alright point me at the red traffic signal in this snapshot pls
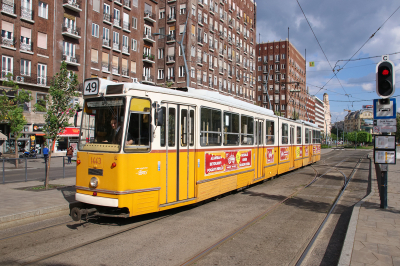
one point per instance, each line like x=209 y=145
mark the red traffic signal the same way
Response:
x=385 y=80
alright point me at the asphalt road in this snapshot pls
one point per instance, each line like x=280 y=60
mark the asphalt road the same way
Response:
x=279 y=238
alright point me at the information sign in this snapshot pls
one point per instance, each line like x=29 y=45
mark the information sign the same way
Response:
x=385 y=109
x=388 y=157
x=385 y=122
x=385 y=142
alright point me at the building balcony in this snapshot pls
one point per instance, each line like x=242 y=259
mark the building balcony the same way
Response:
x=171 y=18
x=116 y=47
x=126 y=26
x=106 y=44
x=117 y=23
x=211 y=28
x=27 y=14
x=28 y=78
x=107 y=18
x=212 y=10
x=74 y=5
x=170 y=79
x=150 y=17
x=148 y=58
x=149 y=38
x=199 y=81
x=201 y=3
x=170 y=38
x=125 y=71
x=25 y=47
x=8 y=43
x=105 y=67
x=171 y=1
x=125 y=49
x=200 y=40
x=72 y=60
x=118 y=2
x=73 y=32
x=265 y=62
x=199 y=61
x=8 y=8
x=148 y=79
x=115 y=70
x=170 y=59
x=127 y=4
x=200 y=20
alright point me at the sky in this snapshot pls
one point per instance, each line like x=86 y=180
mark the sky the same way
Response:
x=342 y=27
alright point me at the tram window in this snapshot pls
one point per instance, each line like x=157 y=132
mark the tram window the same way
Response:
x=298 y=135
x=184 y=127
x=318 y=138
x=191 y=128
x=260 y=138
x=162 y=129
x=231 y=129
x=210 y=124
x=285 y=134
x=171 y=127
x=307 y=136
x=291 y=135
x=270 y=132
x=138 y=134
x=103 y=121
x=247 y=130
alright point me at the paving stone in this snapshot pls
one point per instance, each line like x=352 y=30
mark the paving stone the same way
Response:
x=396 y=261
x=383 y=259
x=363 y=257
x=361 y=236
x=377 y=239
x=389 y=250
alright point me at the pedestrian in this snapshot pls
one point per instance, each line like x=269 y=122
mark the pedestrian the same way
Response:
x=45 y=153
x=70 y=152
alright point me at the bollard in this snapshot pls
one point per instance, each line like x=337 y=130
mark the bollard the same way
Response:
x=384 y=186
x=63 y=167
x=4 y=172
x=26 y=169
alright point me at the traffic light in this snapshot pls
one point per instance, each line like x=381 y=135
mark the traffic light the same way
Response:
x=385 y=81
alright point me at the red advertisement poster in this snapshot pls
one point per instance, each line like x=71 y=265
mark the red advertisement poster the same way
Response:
x=218 y=162
x=319 y=149
x=306 y=150
x=284 y=153
x=314 y=149
x=270 y=156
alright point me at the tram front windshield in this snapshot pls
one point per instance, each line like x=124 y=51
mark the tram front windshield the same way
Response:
x=103 y=123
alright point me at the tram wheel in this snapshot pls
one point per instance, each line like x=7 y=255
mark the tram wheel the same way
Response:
x=76 y=214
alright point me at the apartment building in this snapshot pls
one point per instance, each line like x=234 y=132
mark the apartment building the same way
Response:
x=116 y=40
x=281 y=79
x=327 y=114
x=319 y=113
x=217 y=37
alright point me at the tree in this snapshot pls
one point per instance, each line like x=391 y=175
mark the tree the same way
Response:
x=12 y=110
x=362 y=136
x=59 y=107
x=333 y=136
x=278 y=113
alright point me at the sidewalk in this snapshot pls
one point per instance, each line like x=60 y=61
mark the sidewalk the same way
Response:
x=21 y=207
x=373 y=235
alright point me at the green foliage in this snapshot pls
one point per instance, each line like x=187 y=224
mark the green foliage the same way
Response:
x=278 y=113
x=362 y=136
x=11 y=109
x=333 y=136
x=398 y=127
x=59 y=105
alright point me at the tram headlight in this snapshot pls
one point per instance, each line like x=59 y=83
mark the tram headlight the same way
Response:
x=94 y=182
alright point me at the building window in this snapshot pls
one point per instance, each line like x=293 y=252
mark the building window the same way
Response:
x=95 y=30
x=162 y=13
x=94 y=56
x=181 y=71
x=42 y=40
x=133 y=67
x=160 y=74
x=282 y=56
x=43 y=10
x=41 y=99
x=134 y=45
x=192 y=73
x=160 y=53
x=182 y=9
x=135 y=3
x=134 y=22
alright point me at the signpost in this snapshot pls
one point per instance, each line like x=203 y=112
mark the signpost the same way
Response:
x=385 y=122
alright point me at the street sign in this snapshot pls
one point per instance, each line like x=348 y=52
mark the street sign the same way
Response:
x=387 y=129
x=377 y=130
x=384 y=108
x=385 y=122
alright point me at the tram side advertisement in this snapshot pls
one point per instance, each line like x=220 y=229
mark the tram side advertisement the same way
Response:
x=225 y=161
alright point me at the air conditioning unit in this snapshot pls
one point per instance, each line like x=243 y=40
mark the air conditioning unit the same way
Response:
x=20 y=79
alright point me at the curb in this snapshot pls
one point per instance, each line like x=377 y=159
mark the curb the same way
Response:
x=348 y=244
x=34 y=216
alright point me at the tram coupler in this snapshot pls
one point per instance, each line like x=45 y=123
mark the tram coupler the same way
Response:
x=76 y=213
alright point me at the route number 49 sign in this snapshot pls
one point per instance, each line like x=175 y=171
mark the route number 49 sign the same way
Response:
x=91 y=87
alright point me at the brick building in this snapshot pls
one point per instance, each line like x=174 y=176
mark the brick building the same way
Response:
x=281 y=76
x=319 y=113
x=115 y=40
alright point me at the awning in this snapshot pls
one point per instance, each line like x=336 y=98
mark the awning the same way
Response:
x=70 y=132
x=2 y=136
x=40 y=134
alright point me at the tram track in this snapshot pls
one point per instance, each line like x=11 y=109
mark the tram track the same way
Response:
x=237 y=231
x=198 y=256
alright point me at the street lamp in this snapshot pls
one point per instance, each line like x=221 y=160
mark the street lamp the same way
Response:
x=183 y=51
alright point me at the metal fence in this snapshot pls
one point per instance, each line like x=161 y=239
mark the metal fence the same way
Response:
x=35 y=169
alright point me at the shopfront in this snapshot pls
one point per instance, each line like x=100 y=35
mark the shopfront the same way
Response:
x=69 y=137
x=37 y=138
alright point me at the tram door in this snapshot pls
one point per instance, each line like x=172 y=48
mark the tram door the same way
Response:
x=180 y=156
x=292 y=147
x=259 y=153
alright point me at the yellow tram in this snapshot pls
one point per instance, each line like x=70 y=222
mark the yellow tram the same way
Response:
x=144 y=149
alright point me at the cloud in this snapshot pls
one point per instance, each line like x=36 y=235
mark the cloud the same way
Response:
x=368 y=86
